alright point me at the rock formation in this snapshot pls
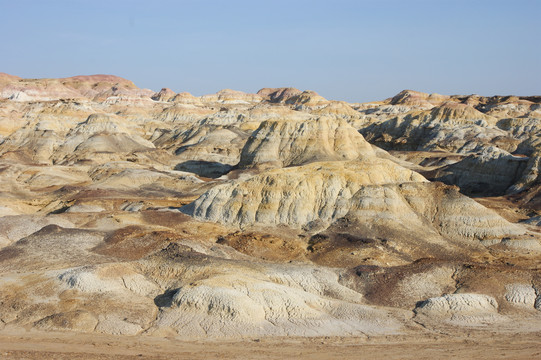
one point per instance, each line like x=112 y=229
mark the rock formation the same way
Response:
x=297 y=195
x=127 y=211
x=283 y=143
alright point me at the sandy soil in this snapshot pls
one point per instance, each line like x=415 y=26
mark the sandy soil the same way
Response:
x=90 y=346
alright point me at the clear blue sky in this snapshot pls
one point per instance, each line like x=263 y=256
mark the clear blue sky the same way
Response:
x=345 y=50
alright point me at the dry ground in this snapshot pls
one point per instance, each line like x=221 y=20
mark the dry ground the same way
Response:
x=91 y=346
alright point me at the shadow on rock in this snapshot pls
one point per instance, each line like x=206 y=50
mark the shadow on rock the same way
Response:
x=165 y=299
x=209 y=169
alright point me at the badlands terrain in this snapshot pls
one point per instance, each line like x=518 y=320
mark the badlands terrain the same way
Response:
x=240 y=219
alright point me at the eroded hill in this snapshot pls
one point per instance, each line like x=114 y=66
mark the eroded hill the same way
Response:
x=125 y=211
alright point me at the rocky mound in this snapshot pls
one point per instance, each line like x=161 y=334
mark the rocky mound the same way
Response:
x=285 y=143
x=8 y=78
x=291 y=300
x=490 y=172
x=458 y=114
x=409 y=208
x=461 y=309
x=339 y=109
x=416 y=98
x=451 y=127
x=306 y=101
x=298 y=195
x=97 y=87
x=396 y=224
x=228 y=96
x=278 y=95
x=164 y=94
x=376 y=198
x=186 y=98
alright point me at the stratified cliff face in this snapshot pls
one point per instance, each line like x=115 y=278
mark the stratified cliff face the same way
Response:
x=128 y=211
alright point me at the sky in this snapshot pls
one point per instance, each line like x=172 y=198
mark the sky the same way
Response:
x=355 y=51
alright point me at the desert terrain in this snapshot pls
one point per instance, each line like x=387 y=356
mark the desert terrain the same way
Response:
x=279 y=224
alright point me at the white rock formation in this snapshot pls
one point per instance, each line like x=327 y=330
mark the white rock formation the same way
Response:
x=461 y=309
x=297 y=195
x=521 y=295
